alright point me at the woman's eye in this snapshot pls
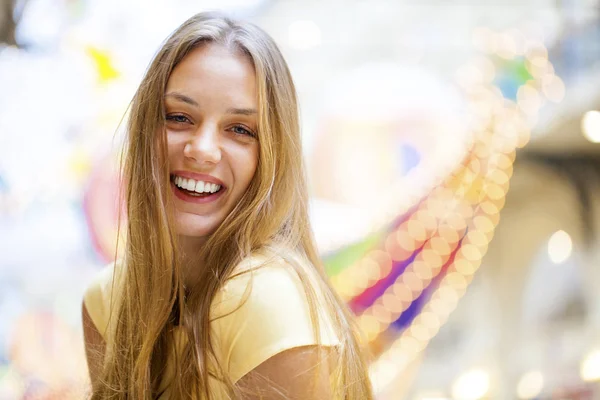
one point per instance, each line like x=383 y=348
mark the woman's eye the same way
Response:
x=182 y=119
x=239 y=129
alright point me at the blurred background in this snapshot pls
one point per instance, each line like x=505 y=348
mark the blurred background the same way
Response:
x=464 y=289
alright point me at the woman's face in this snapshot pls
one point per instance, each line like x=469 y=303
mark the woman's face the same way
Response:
x=211 y=127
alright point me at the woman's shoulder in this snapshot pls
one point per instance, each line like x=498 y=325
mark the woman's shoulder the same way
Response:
x=270 y=272
x=270 y=286
x=98 y=295
x=264 y=309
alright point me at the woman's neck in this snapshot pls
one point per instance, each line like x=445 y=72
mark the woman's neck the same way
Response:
x=190 y=262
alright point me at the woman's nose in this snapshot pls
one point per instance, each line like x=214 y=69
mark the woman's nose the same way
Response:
x=204 y=147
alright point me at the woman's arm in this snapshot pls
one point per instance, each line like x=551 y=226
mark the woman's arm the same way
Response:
x=94 y=346
x=295 y=374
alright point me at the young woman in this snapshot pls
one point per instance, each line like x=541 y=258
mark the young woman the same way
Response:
x=220 y=293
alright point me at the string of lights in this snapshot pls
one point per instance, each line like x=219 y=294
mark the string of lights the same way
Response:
x=500 y=126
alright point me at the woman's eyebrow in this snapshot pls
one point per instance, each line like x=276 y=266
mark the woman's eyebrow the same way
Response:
x=188 y=100
x=183 y=98
x=242 y=111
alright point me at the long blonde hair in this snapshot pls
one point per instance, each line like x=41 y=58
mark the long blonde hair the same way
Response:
x=272 y=213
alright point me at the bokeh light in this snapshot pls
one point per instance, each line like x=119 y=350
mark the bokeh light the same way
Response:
x=560 y=247
x=590 y=367
x=472 y=385
x=530 y=385
x=590 y=126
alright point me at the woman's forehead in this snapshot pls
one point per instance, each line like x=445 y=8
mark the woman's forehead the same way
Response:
x=213 y=70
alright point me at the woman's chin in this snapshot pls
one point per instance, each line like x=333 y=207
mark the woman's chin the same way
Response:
x=194 y=226
x=194 y=232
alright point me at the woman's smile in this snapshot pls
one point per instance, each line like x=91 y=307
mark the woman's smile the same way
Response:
x=196 y=188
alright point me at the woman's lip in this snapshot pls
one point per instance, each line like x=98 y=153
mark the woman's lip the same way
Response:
x=198 y=177
x=198 y=200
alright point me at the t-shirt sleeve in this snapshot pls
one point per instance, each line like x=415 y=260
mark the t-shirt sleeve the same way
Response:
x=97 y=297
x=273 y=316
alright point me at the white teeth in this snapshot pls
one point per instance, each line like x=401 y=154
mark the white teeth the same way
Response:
x=196 y=186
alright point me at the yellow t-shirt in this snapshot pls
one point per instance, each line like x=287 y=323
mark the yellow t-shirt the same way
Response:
x=274 y=316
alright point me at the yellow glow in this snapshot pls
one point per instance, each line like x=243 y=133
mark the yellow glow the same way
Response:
x=405 y=241
x=393 y=303
x=412 y=281
x=382 y=372
x=370 y=326
x=429 y=320
x=456 y=280
x=427 y=219
x=536 y=50
x=437 y=306
x=499 y=177
x=416 y=230
x=477 y=238
x=482 y=150
x=371 y=269
x=502 y=161
x=420 y=332
x=456 y=221
x=560 y=247
x=403 y=292
x=423 y=270
x=590 y=367
x=393 y=248
x=590 y=126
x=465 y=267
x=383 y=315
x=436 y=206
x=529 y=99
x=506 y=46
x=448 y=296
x=431 y=258
x=530 y=385
x=553 y=87
x=411 y=344
x=539 y=66
x=431 y=395
x=471 y=385
x=483 y=224
x=500 y=202
x=447 y=234
x=360 y=278
x=465 y=209
x=470 y=252
x=440 y=245
x=494 y=191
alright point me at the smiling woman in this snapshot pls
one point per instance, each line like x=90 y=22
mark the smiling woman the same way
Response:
x=211 y=102
x=220 y=294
